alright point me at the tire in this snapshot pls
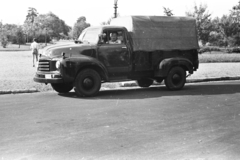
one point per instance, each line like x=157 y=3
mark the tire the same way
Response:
x=176 y=78
x=144 y=82
x=87 y=83
x=62 y=87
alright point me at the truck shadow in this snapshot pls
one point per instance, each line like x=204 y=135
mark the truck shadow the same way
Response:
x=215 y=88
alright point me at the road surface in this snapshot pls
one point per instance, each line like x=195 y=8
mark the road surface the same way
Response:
x=200 y=122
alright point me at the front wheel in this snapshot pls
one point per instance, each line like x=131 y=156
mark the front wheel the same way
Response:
x=176 y=78
x=62 y=87
x=87 y=83
x=144 y=82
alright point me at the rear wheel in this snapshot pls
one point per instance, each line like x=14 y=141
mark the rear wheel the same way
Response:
x=62 y=87
x=87 y=83
x=176 y=78
x=145 y=82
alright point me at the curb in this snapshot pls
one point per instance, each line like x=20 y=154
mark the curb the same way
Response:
x=128 y=84
x=133 y=84
x=18 y=91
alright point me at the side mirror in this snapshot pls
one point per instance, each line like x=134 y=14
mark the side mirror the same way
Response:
x=63 y=55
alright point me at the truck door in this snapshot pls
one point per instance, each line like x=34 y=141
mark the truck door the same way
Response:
x=115 y=56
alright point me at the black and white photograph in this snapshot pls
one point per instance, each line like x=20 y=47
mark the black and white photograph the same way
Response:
x=120 y=80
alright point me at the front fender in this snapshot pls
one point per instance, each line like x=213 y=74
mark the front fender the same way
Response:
x=166 y=64
x=72 y=66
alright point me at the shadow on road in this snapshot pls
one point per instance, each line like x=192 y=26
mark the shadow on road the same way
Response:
x=216 y=88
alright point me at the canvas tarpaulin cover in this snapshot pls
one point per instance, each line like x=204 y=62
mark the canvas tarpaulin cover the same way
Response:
x=150 y=33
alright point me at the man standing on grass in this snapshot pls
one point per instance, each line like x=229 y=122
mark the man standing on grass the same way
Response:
x=34 y=46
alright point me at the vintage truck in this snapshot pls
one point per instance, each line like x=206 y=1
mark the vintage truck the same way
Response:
x=152 y=48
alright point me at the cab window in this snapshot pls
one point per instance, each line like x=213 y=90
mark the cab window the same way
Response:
x=113 y=37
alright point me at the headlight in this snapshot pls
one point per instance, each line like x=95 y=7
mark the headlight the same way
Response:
x=58 y=63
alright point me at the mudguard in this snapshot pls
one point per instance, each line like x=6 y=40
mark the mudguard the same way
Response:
x=166 y=64
x=73 y=65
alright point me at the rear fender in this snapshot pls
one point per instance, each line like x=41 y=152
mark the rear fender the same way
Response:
x=166 y=64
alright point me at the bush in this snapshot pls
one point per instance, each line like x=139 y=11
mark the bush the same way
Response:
x=41 y=38
x=208 y=49
x=233 y=50
x=21 y=40
x=4 y=41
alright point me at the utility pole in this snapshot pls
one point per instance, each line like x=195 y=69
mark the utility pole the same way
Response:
x=115 y=8
x=45 y=36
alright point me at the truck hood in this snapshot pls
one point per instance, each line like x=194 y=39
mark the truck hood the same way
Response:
x=69 y=49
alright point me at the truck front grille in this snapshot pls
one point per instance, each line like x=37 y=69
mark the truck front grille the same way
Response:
x=44 y=65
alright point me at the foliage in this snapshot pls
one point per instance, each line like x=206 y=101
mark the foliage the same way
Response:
x=217 y=39
x=19 y=36
x=208 y=49
x=167 y=12
x=203 y=22
x=46 y=27
x=12 y=33
x=32 y=13
x=211 y=49
x=235 y=13
x=30 y=18
x=233 y=50
x=79 y=26
x=226 y=29
x=3 y=37
x=107 y=22
x=3 y=40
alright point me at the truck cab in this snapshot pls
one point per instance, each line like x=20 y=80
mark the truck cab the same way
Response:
x=136 y=55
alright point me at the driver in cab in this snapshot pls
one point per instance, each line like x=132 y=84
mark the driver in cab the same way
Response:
x=114 y=39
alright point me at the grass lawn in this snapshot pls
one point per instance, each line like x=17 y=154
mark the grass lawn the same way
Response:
x=214 y=57
x=15 y=47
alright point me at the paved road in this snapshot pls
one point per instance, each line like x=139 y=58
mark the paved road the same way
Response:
x=200 y=122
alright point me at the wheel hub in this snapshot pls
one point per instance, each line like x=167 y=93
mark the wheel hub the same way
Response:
x=87 y=83
x=176 y=78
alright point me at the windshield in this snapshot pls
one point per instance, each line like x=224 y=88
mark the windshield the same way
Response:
x=90 y=35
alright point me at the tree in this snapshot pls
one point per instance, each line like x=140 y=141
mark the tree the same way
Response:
x=168 y=12
x=19 y=36
x=79 y=26
x=9 y=31
x=203 y=22
x=27 y=28
x=235 y=15
x=51 y=25
x=32 y=14
x=3 y=37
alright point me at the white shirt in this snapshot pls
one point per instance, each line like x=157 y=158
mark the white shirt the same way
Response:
x=34 y=45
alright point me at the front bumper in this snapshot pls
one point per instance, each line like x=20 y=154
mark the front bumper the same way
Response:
x=48 y=78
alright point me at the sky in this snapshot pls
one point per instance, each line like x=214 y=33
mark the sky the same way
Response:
x=97 y=11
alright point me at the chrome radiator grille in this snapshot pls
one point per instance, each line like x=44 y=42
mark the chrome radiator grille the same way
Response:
x=44 y=65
